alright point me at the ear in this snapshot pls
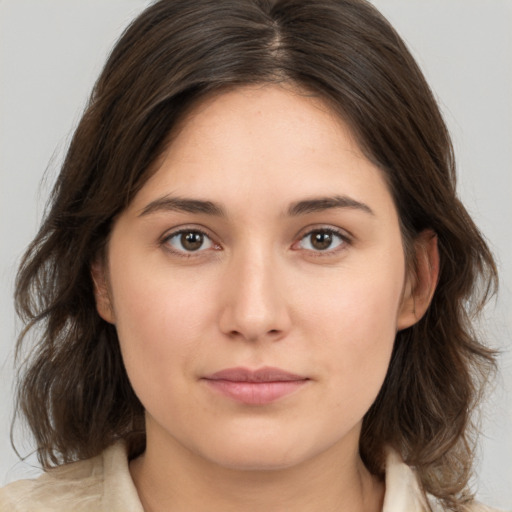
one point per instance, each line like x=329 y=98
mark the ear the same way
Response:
x=101 y=290
x=421 y=281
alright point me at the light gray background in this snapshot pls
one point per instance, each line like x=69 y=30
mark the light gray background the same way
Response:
x=52 y=50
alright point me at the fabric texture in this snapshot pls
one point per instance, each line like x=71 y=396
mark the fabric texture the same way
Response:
x=104 y=484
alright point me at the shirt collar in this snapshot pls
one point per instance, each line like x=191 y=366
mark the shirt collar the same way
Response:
x=403 y=491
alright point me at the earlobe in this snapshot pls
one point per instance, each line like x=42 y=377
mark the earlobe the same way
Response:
x=101 y=291
x=422 y=282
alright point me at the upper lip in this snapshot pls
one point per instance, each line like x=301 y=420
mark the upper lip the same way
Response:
x=266 y=374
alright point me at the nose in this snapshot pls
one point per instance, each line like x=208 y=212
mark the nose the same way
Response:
x=253 y=299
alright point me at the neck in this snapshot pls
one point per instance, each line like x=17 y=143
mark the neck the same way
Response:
x=173 y=479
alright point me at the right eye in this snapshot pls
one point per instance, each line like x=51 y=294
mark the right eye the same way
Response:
x=322 y=240
x=189 y=241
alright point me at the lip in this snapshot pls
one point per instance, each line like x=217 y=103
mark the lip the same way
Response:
x=255 y=387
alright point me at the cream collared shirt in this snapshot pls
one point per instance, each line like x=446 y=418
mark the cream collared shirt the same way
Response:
x=104 y=484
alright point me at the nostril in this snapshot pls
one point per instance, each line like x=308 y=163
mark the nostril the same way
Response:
x=272 y=333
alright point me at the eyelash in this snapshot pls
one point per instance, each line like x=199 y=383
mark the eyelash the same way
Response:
x=344 y=240
x=184 y=253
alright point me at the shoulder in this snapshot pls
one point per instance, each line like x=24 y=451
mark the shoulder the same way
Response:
x=473 y=506
x=58 y=489
x=85 y=486
x=478 y=507
x=404 y=493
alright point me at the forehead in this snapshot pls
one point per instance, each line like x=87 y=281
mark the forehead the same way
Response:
x=267 y=111
x=270 y=141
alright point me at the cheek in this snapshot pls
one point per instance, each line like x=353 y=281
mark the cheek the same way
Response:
x=159 y=321
x=354 y=317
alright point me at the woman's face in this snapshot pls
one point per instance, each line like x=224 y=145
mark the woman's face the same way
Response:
x=257 y=282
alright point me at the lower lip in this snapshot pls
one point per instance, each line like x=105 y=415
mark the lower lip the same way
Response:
x=256 y=393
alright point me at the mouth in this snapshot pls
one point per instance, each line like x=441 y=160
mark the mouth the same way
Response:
x=255 y=387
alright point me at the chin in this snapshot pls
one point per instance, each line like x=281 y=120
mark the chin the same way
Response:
x=258 y=451
x=256 y=461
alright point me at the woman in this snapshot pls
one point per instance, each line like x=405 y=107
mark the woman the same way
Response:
x=254 y=277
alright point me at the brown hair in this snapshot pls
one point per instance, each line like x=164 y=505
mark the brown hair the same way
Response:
x=74 y=390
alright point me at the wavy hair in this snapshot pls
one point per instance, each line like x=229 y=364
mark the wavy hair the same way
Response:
x=73 y=390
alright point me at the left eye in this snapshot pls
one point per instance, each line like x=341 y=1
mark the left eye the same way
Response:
x=321 y=240
x=189 y=241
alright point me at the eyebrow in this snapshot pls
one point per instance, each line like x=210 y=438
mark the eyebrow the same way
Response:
x=327 y=203
x=319 y=204
x=179 y=204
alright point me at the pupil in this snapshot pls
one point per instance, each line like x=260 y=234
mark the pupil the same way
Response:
x=192 y=241
x=321 y=240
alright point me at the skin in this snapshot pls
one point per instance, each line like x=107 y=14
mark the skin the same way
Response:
x=258 y=293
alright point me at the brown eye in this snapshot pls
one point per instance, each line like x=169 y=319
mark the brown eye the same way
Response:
x=189 y=241
x=321 y=240
x=192 y=241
